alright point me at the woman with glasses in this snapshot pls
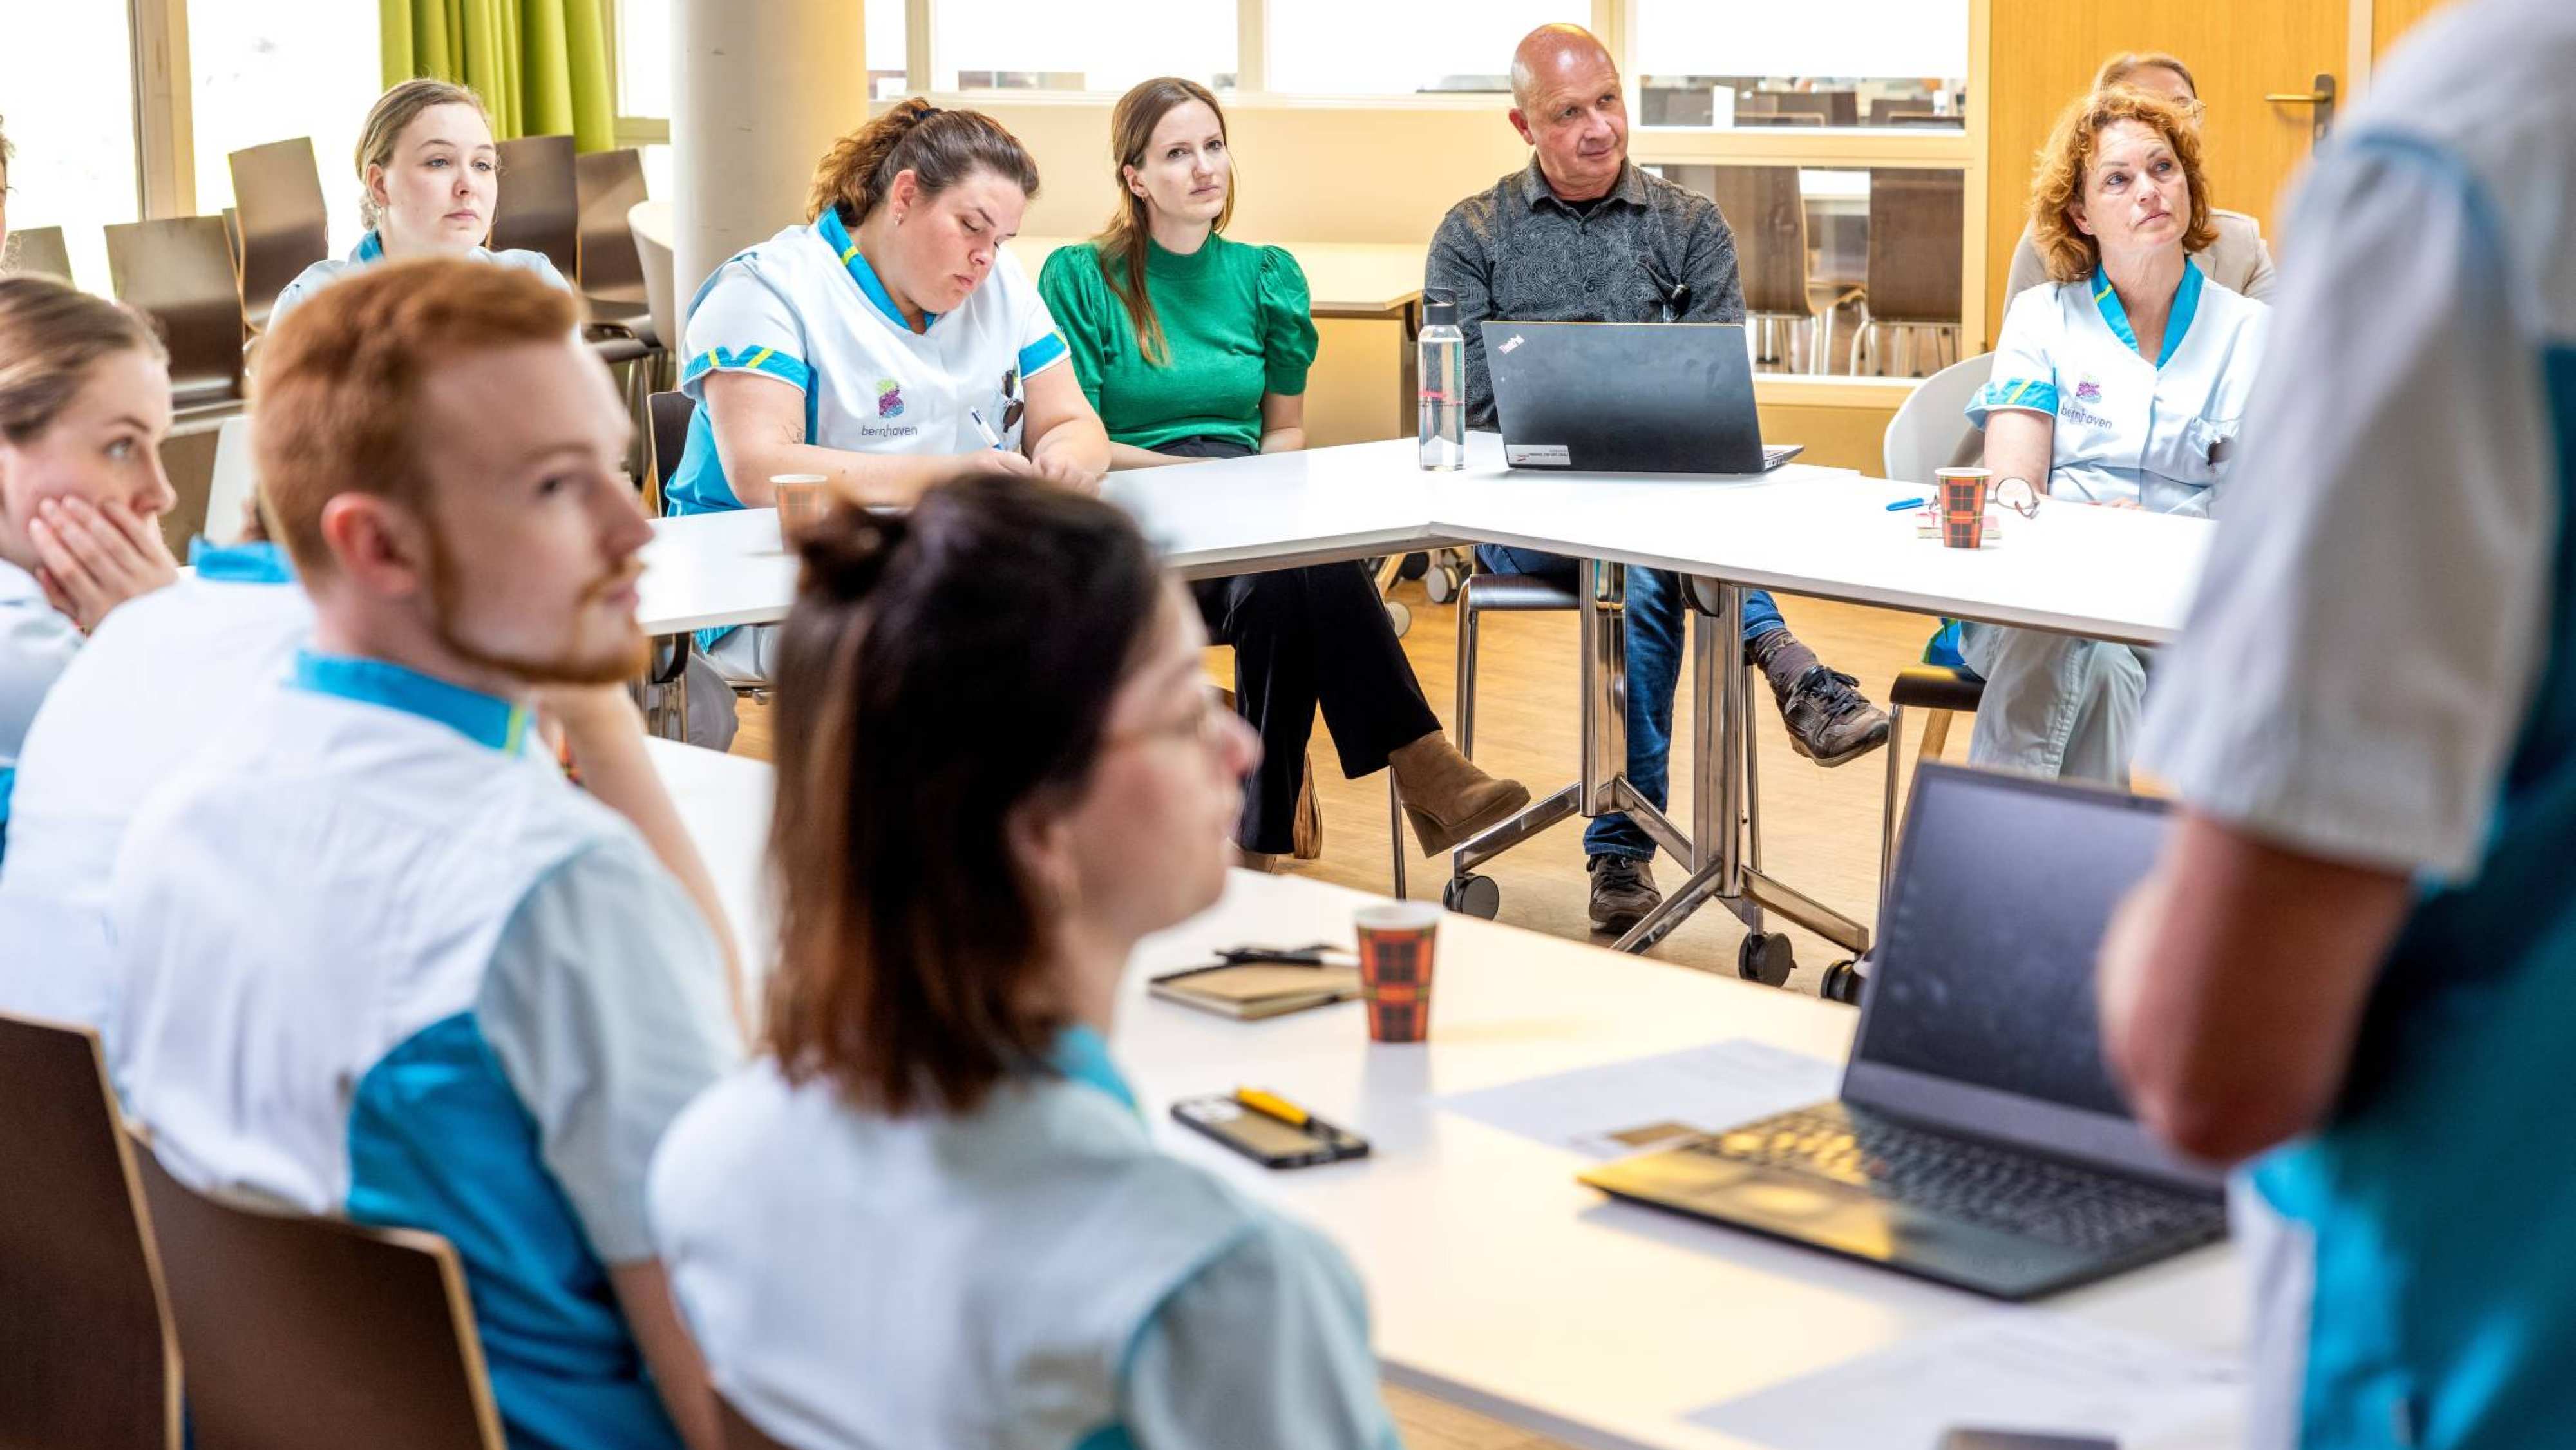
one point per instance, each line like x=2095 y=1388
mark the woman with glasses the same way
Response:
x=2237 y=259
x=1196 y=346
x=2120 y=384
x=933 y=1213
x=888 y=343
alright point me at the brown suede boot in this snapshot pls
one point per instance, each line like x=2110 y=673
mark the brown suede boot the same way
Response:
x=1307 y=831
x=1446 y=797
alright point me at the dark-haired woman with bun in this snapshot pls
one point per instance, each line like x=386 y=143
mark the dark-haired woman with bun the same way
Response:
x=1196 y=346
x=889 y=344
x=932 y=1213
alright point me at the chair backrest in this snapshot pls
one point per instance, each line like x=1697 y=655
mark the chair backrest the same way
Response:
x=669 y=414
x=38 y=252
x=739 y=1433
x=1915 y=221
x=87 y=1356
x=285 y=224
x=1778 y=118
x=661 y=285
x=309 y=1333
x=1931 y=429
x=1833 y=108
x=1766 y=210
x=609 y=184
x=229 y=487
x=539 y=209
x=180 y=271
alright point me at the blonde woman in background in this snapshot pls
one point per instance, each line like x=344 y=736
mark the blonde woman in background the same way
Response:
x=432 y=175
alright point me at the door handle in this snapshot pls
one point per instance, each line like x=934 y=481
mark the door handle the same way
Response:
x=2322 y=97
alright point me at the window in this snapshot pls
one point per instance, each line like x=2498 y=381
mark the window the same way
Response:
x=69 y=104
x=644 y=38
x=1895 y=63
x=273 y=70
x=1371 y=48
x=1104 y=47
x=1822 y=251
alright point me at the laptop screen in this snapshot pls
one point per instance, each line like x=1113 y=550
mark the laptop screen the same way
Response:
x=1986 y=960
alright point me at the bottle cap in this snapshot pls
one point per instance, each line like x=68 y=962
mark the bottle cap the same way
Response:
x=1439 y=309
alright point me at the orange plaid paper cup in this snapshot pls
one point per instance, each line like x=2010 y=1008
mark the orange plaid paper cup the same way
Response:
x=1396 y=949
x=1963 y=506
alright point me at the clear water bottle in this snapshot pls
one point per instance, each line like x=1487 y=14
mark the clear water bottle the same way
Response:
x=1444 y=384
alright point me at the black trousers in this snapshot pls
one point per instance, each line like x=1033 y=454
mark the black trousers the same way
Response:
x=1304 y=638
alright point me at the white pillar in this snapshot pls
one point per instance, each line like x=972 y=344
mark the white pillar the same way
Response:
x=759 y=91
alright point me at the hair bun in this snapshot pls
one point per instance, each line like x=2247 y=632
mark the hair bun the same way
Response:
x=845 y=554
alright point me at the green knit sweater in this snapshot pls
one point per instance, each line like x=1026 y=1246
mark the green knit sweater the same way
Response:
x=1234 y=317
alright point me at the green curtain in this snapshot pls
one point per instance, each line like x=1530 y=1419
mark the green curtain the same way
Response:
x=541 y=65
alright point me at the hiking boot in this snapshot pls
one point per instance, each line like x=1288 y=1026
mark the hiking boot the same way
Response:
x=1830 y=721
x=1623 y=891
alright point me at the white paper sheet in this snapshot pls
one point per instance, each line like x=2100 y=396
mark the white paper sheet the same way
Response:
x=1616 y=1109
x=2019 y=1370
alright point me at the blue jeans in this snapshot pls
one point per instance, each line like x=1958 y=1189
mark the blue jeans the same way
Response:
x=1656 y=610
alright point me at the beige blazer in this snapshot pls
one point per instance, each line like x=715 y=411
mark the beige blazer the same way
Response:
x=2237 y=261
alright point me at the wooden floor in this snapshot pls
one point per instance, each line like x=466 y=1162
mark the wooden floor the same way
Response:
x=1820 y=827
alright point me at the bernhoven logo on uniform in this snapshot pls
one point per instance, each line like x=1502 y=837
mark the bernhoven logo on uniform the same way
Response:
x=889 y=398
x=2088 y=391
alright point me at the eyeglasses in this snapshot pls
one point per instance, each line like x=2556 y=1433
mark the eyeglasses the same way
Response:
x=2017 y=494
x=1205 y=724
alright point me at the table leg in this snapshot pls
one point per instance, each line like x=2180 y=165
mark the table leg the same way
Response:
x=1722 y=874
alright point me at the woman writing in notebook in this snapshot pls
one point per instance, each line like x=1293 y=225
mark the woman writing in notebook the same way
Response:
x=1194 y=346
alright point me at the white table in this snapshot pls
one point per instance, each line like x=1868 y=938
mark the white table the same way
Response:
x=2105 y=574
x=1273 y=511
x=1497 y=1281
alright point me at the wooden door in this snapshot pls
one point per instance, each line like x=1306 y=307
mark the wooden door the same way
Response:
x=2044 y=53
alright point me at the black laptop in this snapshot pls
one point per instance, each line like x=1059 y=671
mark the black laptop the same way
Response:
x=1978 y=1139
x=1628 y=397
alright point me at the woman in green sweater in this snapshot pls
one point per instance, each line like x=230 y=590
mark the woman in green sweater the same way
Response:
x=1191 y=347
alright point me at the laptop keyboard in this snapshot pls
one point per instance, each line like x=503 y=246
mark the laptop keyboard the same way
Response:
x=1959 y=1178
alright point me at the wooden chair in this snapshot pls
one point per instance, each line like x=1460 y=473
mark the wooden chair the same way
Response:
x=307 y=1333
x=38 y=252
x=179 y=271
x=1767 y=211
x=539 y=209
x=1830 y=108
x=668 y=436
x=87 y=1354
x=742 y=1434
x=608 y=185
x=285 y=224
x=1915 y=225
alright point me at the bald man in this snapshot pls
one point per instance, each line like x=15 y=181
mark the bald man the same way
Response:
x=1580 y=235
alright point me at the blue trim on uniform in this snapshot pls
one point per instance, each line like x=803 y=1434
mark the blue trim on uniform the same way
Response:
x=8 y=782
x=1081 y=1056
x=1036 y=357
x=2029 y=393
x=786 y=367
x=253 y=563
x=2106 y=298
x=2186 y=302
x=371 y=248
x=439 y=1140
x=837 y=237
x=2186 y=305
x=484 y=719
x=1112 y=1436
